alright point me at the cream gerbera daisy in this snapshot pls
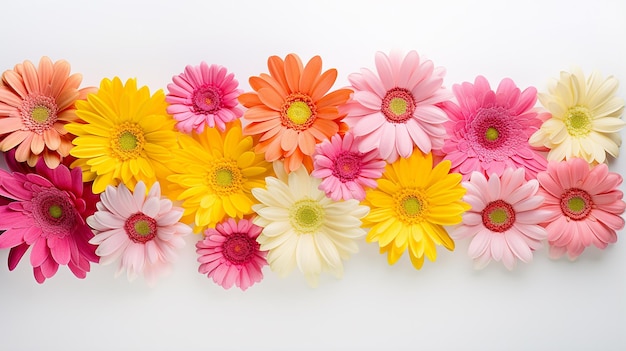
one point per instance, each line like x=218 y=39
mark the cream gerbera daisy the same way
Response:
x=585 y=119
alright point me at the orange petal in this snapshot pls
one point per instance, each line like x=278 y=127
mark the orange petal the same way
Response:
x=249 y=99
x=52 y=159
x=271 y=99
x=276 y=67
x=52 y=139
x=60 y=76
x=31 y=81
x=323 y=84
x=44 y=74
x=37 y=144
x=273 y=151
x=289 y=140
x=294 y=161
x=334 y=98
x=306 y=142
x=10 y=124
x=310 y=74
x=293 y=67
x=261 y=113
x=329 y=128
x=261 y=127
x=23 y=150
x=16 y=82
x=13 y=139
x=9 y=98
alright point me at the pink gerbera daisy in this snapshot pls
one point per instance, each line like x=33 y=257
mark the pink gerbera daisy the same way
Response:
x=143 y=229
x=35 y=104
x=585 y=206
x=47 y=211
x=230 y=254
x=488 y=131
x=203 y=95
x=396 y=109
x=344 y=170
x=504 y=219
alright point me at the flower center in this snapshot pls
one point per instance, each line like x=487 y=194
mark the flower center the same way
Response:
x=410 y=205
x=398 y=105
x=207 y=99
x=239 y=248
x=576 y=204
x=306 y=216
x=498 y=216
x=38 y=112
x=298 y=112
x=53 y=212
x=491 y=134
x=140 y=228
x=127 y=141
x=578 y=121
x=347 y=166
x=225 y=177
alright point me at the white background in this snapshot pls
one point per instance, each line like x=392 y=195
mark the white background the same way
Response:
x=546 y=305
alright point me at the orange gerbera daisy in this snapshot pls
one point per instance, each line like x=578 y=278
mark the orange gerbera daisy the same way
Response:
x=290 y=110
x=35 y=104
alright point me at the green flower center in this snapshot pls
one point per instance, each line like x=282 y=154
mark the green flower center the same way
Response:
x=306 y=216
x=140 y=228
x=398 y=106
x=299 y=112
x=578 y=121
x=411 y=206
x=576 y=204
x=492 y=134
x=55 y=211
x=498 y=216
x=224 y=177
x=40 y=114
x=127 y=141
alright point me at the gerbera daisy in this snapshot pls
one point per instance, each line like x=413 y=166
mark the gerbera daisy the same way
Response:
x=411 y=205
x=215 y=173
x=585 y=119
x=344 y=170
x=203 y=95
x=127 y=135
x=35 y=104
x=47 y=211
x=504 y=219
x=139 y=228
x=585 y=206
x=489 y=130
x=290 y=110
x=230 y=254
x=395 y=110
x=304 y=228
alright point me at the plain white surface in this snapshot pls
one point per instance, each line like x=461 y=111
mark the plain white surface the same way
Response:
x=546 y=305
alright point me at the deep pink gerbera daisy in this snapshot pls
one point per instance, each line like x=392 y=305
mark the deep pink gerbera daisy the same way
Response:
x=203 y=95
x=230 y=254
x=397 y=109
x=47 y=212
x=488 y=131
x=344 y=170
x=504 y=221
x=141 y=228
x=585 y=206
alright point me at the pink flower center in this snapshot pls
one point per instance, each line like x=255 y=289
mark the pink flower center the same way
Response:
x=298 y=112
x=140 y=228
x=347 y=166
x=576 y=204
x=498 y=216
x=207 y=99
x=494 y=134
x=38 y=112
x=398 y=105
x=239 y=248
x=53 y=212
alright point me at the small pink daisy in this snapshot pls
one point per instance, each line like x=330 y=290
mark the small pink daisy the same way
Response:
x=46 y=210
x=488 y=131
x=397 y=109
x=504 y=221
x=344 y=170
x=230 y=254
x=203 y=95
x=585 y=206
x=143 y=229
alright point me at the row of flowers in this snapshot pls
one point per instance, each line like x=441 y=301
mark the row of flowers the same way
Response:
x=293 y=173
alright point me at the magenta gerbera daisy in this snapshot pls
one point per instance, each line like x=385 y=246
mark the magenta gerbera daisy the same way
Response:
x=504 y=221
x=230 y=254
x=47 y=212
x=488 y=131
x=140 y=228
x=585 y=206
x=203 y=96
x=397 y=109
x=344 y=170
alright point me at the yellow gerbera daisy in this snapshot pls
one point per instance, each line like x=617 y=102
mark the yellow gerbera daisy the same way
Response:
x=411 y=205
x=215 y=172
x=127 y=136
x=585 y=119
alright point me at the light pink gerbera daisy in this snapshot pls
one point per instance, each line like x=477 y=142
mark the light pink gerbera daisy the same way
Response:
x=230 y=254
x=203 y=95
x=504 y=219
x=35 y=104
x=141 y=228
x=46 y=210
x=344 y=170
x=585 y=206
x=396 y=109
x=488 y=131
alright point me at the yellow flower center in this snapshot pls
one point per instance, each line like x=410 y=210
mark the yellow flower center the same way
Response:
x=40 y=114
x=410 y=205
x=576 y=204
x=127 y=141
x=398 y=106
x=55 y=211
x=578 y=121
x=298 y=112
x=491 y=134
x=225 y=177
x=306 y=216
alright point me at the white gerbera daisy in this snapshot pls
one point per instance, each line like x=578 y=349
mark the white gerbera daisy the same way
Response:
x=304 y=228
